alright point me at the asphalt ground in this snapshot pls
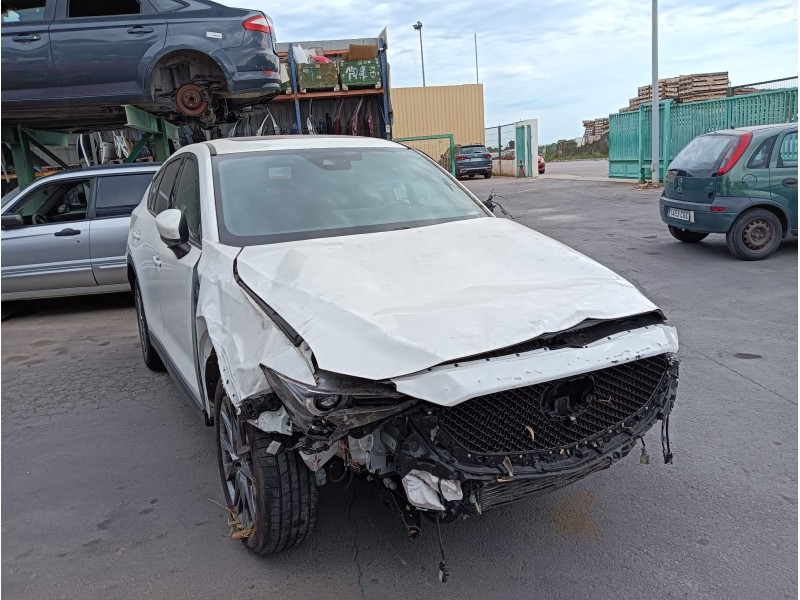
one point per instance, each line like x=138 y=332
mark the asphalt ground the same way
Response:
x=109 y=479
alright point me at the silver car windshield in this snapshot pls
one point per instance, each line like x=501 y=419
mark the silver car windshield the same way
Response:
x=272 y=197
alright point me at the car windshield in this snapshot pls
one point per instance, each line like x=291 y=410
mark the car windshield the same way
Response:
x=269 y=197
x=700 y=158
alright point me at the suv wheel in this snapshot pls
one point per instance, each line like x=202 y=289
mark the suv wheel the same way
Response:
x=755 y=235
x=272 y=498
x=684 y=235
x=487 y=175
x=151 y=357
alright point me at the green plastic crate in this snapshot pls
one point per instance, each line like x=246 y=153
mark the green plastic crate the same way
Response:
x=318 y=77
x=361 y=73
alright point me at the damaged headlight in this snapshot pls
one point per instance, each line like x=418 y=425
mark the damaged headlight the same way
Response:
x=333 y=392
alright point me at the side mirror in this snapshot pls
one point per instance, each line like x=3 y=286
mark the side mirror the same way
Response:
x=174 y=230
x=11 y=221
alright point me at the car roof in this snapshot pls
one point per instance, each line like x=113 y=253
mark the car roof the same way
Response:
x=754 y=128
x=295 y=142
x=104 y=170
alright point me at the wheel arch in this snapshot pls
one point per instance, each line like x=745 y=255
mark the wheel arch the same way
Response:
x=180 y=53
x=210 y=369
x=777 y=210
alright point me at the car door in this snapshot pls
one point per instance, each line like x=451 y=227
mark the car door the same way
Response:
x=50 y=252
x=783 y=174
x=176 y=280
x=28 y=71
x=115 y=198
x=145 y=243
x=99 y=48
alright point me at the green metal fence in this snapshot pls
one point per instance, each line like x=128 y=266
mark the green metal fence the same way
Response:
x=629 y=139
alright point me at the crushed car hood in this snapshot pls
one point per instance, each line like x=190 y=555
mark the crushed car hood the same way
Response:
x=387 y=304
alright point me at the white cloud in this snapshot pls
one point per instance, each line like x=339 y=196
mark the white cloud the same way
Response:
x=560 y=61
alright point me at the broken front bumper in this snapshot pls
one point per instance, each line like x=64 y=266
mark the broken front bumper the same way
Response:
x=517 y=443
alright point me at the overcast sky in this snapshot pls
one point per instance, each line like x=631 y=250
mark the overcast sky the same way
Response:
x=557 y=61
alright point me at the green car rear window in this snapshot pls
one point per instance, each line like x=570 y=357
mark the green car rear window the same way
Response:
x=701 y=157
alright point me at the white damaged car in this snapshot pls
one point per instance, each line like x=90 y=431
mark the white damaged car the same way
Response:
x=342 y=306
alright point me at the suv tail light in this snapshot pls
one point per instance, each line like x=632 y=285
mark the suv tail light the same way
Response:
x=460 y=157
x=730 y=160
x=258 y=23
x=487 y=156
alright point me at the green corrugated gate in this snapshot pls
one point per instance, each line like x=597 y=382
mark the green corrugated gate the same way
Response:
x=629 y=148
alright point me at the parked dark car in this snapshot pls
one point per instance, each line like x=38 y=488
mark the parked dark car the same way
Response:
x=183 y=59
x=472 y=160
x=741 y=182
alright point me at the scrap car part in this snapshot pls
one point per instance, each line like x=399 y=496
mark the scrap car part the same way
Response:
x=191 y=99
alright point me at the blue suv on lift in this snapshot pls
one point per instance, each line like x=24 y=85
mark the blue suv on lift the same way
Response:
x=72 y=62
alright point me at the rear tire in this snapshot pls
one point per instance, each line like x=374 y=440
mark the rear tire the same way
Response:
x=755 y=235
x=487 y=175
x=684 y=235
x=151 y=357
x=273 y=495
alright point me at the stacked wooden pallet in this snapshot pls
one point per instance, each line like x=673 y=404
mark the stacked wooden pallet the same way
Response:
x=595 y=128
x=686 y=88
x=743 y=91
x=705 y=86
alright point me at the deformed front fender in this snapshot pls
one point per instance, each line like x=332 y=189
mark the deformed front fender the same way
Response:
x=231 y=325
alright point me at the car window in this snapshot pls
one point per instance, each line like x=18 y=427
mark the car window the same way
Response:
x=187 y=198
x=787 y=157
x=118 y=195
x=701 y=156
x=19 y=11
x=60 y=202
x=274 y=196
x=102 y=8
x=473 y=150
x=760 y=158
x=163 y=192
x=167 y=5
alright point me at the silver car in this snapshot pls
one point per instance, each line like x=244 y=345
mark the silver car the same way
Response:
x=65 y=235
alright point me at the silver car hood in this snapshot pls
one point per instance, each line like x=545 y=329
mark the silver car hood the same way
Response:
x=388 y=304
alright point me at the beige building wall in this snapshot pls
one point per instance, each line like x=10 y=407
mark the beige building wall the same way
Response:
x=433 y=110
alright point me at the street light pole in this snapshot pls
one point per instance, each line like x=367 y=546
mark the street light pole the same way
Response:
x=476 y=59
x=418 y=27
x=655 y=166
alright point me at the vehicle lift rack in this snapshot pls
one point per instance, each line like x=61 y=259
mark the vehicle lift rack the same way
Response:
x=20 y=139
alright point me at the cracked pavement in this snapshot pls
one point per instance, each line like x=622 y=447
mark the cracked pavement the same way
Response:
x=108 y=474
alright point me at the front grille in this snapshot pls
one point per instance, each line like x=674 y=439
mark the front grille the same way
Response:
x=498 y=423
x=500 y=493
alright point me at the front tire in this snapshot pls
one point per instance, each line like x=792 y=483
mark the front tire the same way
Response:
x=273 y=497
x=487 y=175
x=149 y=354
x=684 y=235
x=755 y=235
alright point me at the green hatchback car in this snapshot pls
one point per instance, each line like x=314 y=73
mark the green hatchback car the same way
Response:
x=741 y=182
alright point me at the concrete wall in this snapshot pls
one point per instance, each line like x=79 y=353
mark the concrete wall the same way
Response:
x=433 y=110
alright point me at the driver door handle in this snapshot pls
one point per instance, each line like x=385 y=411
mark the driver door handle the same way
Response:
x=136 y=235
x=789 y=181
x=67 y=232
x=26 y=38
x=157 y=261
x=140 y=30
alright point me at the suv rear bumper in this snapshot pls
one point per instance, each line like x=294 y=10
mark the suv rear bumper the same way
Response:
x=476 y=170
